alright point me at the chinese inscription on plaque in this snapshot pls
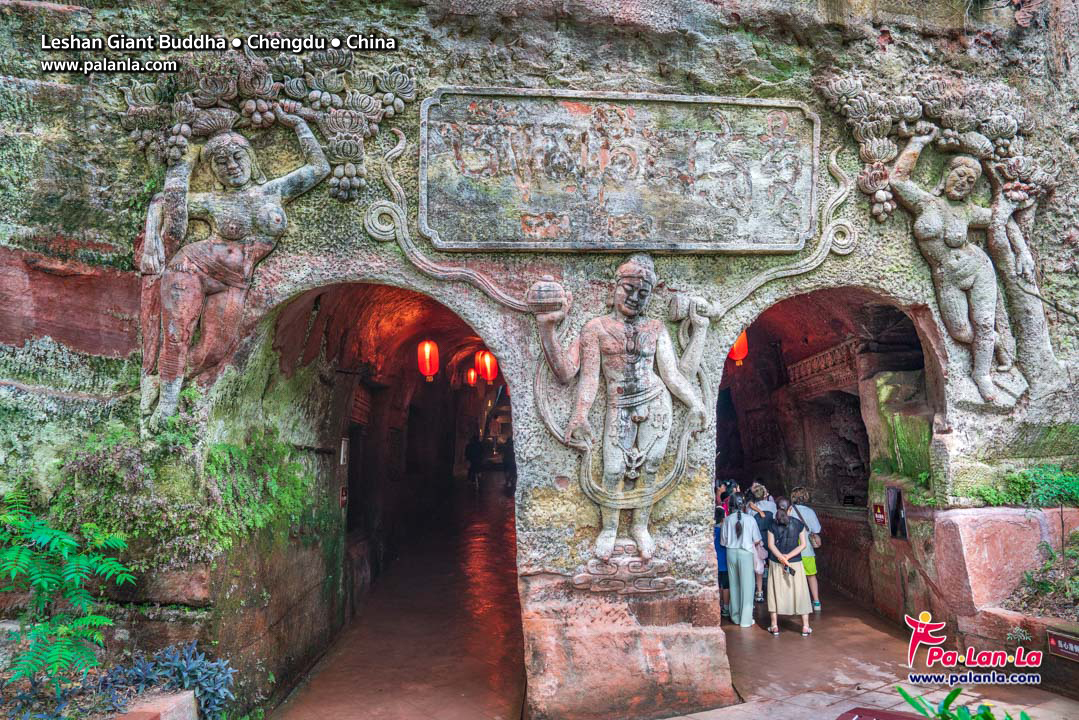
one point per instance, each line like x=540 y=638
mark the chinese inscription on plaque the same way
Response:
x=506 y=169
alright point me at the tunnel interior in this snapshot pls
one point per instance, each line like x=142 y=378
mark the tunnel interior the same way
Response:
x=831 y=382
x=427 y=476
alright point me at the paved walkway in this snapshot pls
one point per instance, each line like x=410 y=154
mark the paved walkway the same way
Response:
x=439 y=637
x=852 y=659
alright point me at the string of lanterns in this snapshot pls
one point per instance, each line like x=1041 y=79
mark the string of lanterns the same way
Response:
x=486 y=364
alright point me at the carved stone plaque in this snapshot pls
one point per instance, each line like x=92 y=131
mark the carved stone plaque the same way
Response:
x=546 y=170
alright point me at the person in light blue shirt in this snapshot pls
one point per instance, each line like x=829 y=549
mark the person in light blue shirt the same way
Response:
x=740 y=536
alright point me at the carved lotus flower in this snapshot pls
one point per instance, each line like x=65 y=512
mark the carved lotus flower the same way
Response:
x=873 y=178
x=340 y=122
x=336 y=58
x=958 y=119
x=329 y=81
x=872 y=127
x=398 y=83
x=999 y=125
x=858 y=107
x=141 y=94
x=905 y=108
x=936 y=98
x=215 y=90
x=346 y=148
x=288 y=64
x=877 y=150
x=212 y=121
x=841 y=89
x=364 y=104
x=257 y=85
x=296 y=87
x=362 y=81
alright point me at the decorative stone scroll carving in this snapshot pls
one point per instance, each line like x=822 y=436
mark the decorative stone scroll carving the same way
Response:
x=833 y=369
x=635 y=358
x=626 y=573
x=516 y=169
x=982 y=127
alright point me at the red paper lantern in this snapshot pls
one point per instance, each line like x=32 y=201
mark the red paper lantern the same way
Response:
x=471 y=376
x=427 y=358
x=486 y=365
x=740 y=349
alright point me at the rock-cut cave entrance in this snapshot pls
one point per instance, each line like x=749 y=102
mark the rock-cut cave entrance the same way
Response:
x=835 y=391
x=428 y=475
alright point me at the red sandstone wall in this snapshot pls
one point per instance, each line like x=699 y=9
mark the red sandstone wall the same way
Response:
x=91 y=309
x=843 y=559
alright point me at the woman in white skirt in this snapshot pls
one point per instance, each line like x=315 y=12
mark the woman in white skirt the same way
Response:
x=788 y=588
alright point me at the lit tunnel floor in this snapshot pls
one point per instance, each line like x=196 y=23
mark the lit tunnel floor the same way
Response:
x=438 y=637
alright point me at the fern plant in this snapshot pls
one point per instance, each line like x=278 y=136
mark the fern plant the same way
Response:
x=53 y=568
x=944 y=710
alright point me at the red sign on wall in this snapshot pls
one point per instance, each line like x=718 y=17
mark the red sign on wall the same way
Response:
x=1065 y=646
x=879 y=516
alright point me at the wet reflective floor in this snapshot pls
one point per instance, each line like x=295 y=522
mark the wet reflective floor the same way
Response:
x=439 y=635
x=854 y=658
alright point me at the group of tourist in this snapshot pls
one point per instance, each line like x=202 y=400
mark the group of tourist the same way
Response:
x=765 y=547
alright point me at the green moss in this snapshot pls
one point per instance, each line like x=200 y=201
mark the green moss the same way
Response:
x=43 y=361
x=177 y=503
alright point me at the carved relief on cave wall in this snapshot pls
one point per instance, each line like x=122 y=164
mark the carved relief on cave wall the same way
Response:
x=633 y=357
x=988 y=299
x=197 y=287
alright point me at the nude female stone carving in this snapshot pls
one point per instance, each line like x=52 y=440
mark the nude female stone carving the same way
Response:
x=963 y=275
x=204 y=284
x=636 y=358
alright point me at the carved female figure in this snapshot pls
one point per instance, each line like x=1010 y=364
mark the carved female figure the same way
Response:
x=207 y=280
x=962 y=273
x=636 y=358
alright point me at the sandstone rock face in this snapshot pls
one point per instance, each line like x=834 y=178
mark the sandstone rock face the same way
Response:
x=982 y=555
x=595 y=656
x=777 y=161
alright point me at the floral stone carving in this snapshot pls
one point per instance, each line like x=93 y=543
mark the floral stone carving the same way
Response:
x=988 y=299
x=636 y=359
x=199 y=287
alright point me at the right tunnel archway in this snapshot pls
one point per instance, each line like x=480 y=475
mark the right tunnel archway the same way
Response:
x=838 y=395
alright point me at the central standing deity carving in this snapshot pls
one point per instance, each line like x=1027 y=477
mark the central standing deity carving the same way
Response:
x=635 y=357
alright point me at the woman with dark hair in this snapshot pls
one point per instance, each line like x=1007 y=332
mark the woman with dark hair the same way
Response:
x=788 y=589
x=740 y=536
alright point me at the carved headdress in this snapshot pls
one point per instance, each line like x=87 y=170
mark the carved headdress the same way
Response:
x=638 y=266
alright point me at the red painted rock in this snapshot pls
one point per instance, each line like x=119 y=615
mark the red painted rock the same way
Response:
x=982 y=554
x=91 y=309
x=174 y=706
x=593 y=656
x=189 y=587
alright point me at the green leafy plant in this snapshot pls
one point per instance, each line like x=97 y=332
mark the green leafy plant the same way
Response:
x=1038 y=486
x=945 y=711
x=53 y=567
x=1018 y=635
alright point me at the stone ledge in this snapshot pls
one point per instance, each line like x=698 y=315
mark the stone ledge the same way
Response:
x=988 y=630
x=174 y=706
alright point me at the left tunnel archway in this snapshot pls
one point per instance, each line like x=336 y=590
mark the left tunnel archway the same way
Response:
x=409 y=573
